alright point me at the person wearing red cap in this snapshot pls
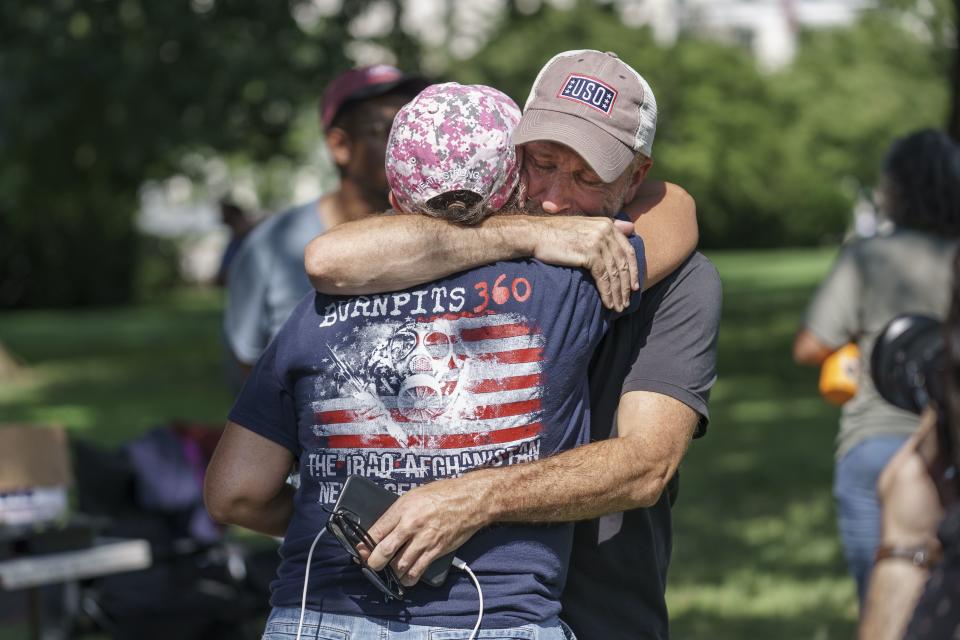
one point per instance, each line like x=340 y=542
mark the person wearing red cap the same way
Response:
x=266 y=278
x=586 y=134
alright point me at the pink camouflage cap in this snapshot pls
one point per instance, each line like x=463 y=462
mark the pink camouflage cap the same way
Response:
x=454 y=137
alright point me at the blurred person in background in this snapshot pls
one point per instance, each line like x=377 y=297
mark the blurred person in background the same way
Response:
x=873 y=280
x=267 y=279
x=914 y=589
x=240 y=225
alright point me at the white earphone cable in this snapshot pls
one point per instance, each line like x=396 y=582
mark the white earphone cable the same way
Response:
x=306 y=581
x=463 y=566
x=457 y=562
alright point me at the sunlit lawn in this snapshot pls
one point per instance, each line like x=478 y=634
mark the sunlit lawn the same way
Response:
x=755 y=549
x=109 y=374
x=755 y=553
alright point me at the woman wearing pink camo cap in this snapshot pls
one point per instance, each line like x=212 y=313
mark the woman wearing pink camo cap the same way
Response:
x=449 y=155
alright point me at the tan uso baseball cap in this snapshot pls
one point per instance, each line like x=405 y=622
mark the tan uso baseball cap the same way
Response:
x=594 y=103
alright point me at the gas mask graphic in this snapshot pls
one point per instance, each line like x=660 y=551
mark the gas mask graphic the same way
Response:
x=428 y=365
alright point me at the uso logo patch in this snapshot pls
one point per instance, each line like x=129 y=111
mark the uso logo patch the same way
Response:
x=589 y=91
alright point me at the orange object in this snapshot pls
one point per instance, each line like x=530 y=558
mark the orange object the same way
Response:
x=838 y=375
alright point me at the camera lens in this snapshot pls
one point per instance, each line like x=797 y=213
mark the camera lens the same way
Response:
x=908 y=354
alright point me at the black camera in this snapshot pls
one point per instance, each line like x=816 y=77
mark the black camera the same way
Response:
x=909 y=363
x=909 y=368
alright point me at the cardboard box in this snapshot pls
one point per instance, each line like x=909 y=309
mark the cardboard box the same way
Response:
x=32 y=457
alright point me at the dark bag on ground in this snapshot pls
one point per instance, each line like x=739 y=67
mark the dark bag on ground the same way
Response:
x=200 y=586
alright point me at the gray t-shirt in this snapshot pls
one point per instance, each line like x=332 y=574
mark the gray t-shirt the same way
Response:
x=618 y=568
x=267 y=279
x=872 y=281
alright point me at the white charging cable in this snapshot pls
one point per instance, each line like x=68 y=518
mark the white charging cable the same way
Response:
x=457 y=562
x=306 y=581
x=460 y=564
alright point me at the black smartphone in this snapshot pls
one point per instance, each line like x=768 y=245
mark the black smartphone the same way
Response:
x=365 y=501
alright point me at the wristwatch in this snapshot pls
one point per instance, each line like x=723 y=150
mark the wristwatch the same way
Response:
x=920 y=555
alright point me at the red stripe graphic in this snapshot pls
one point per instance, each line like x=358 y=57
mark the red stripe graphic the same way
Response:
x=492 y=385
x=484 y=412
x=449 y=441
x=517 y=356
x=506 y=409
x=494 y=331
x=343 y=415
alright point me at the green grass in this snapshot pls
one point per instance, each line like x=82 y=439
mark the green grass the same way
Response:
x=756 y=553
x=109 y=374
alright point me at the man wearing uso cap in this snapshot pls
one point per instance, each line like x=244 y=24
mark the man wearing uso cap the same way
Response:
x=586 y=138
x=594 y=103
x=266 y=278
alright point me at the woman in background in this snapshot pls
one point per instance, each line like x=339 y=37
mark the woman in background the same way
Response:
x=873 y=280
x=916 y=594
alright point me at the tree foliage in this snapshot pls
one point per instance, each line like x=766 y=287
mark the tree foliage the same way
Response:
x=772 y=160
x=96 y=96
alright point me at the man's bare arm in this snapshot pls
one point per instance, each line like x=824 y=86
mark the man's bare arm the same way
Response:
x=245 y=483
x=394 y=252
x=387 y=253
x=636 y=466
x=665 y=216
x=613 y=475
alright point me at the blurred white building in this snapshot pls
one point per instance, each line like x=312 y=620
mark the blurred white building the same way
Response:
x=769 y=28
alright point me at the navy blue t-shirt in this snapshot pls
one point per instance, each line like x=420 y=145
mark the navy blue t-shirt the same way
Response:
x=484 y=368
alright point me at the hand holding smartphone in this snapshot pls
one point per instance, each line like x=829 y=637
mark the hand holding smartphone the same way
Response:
x=360 y=505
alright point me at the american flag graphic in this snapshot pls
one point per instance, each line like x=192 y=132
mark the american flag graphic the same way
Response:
x=455 y=383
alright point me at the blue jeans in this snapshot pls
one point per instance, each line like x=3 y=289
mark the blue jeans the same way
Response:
x=858 y=506
x=282 y=625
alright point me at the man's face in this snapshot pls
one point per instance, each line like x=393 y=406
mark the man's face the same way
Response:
x=560 y=182
x=366 y=144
